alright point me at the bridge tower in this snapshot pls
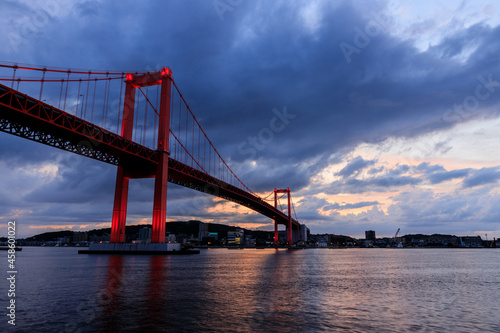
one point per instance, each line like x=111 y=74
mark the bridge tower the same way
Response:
x=288 y=232
x=160 y=173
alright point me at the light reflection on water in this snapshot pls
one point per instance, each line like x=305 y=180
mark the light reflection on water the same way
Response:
x=221 y=290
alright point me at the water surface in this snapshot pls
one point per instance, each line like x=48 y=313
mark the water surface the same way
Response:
x=221 y=290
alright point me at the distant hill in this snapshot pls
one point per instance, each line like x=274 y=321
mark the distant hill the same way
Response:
x=177 y=227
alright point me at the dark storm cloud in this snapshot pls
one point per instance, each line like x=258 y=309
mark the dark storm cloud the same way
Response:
x=17 y=152
x=383 y=183
x=482 y=176
x=447 y=211
x=80 y=180
x=337 y=206
x=355 y=166
x=428 y=168
x=443 y=176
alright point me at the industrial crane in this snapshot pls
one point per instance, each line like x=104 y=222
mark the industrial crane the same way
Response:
x=396 y=236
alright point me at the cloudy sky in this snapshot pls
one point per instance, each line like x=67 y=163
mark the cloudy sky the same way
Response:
x=389 y=110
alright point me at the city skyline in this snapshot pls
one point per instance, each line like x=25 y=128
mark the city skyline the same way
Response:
x=378 y=116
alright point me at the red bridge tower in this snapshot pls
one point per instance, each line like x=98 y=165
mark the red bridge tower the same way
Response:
x=126 y=172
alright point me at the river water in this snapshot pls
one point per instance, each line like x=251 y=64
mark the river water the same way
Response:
x=253 y=290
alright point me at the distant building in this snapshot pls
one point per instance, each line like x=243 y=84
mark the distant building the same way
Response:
x=340 y=241
x=80 y=237
x=442 y=240
x=145 y=234
x=321 y=240
x=181 y=238
x=235 y=237
x=471 y=241
x=368 y=243
x=97 y=239
x=63 y=240
x=304 y=233
x=370 y=235
x=170 y=238
x=203 y=231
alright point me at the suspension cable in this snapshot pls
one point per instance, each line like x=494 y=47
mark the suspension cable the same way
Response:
x=293 y=206
x=215 y=150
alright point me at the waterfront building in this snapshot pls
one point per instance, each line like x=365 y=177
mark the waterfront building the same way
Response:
x=304 y=233
x=80 y=237
x=63 y=240
x=235 y=237
x=97 y=239
x=203 y=231
x=145 y=234
x=471 y=241
x=370 y=235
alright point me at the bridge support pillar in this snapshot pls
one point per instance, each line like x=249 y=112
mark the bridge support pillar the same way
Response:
x=121 y=188
x=160 y=201
x=119 y=208
x=275 y=220
x=290 y=240
x=161 y=176
x=276 y=233
x=289 y=225
x=124 y=174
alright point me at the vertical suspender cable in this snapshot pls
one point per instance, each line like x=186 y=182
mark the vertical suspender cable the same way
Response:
x=119 y=106
x=13 y=76
x=78 y=97
x=145 y=117
x=104 y=104
x=199 y=143
x=107 y=102
x=154 y=120
x=186 y=141
x=41 y=86
x=136 y=107
x=66 y=94
x=93 y=101
x=87 y=96
x=192 y=147
x=179 y=133
x=60 y=94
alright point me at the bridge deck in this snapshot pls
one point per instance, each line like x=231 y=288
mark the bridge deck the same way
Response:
x=32 y=119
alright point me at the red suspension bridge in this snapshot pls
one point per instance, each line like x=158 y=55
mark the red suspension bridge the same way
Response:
x=82 y=111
